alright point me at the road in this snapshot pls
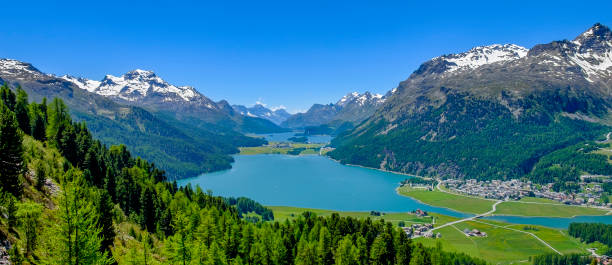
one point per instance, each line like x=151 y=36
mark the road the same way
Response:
x=529 y=233
x=493 y=209
x=470 y=218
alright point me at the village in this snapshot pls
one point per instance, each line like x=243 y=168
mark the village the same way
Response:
x=591 y=194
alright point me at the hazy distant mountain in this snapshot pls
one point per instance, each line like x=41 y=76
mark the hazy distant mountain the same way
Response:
x=260 y=111
x=183 y=148
x=352 y=108
x=490 y=112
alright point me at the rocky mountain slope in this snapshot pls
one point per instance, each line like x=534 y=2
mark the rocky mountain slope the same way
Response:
x=461 y=115
x=277 y=116
x=183 y=149
x=147 y=90
x=352 y=108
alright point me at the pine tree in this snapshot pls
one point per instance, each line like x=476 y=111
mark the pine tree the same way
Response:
x=79 y=236
x=41 y=175
x=346 y=253
x=29 y=216
x=7 y=96
x=104 y=207
x=11 y=152
x=22 y=111
x=57 y=119
x=147 y=208
x=37 y=122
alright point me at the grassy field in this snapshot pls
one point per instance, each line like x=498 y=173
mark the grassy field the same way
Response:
x=501 y=246
x=451 y=201
x=553 y=210
x=524 y=207
x=277 y=148
x=281 y=213
x=540 y=200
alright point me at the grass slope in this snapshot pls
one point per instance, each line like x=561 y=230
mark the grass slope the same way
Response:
x=502 y=245
x=442 y=199
x=552 y=210
x=524 y=207
x=273 y=148
x=282 y=213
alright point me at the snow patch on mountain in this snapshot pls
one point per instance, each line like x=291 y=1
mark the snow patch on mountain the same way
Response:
x=361 y=99
x=482 y=55
x=139 y=83
x=16 y=68
x=83 y=83
x=592 y=51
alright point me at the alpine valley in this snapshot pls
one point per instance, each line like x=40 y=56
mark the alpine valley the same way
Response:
x=497 y=155
x=177 y=128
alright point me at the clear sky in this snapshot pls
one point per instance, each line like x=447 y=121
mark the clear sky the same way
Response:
x=290 y=53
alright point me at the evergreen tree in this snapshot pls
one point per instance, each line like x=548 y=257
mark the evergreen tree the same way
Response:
x=37 y=122
x=79 y=236
x=41 y=175
x=57 y=119
x=11 y=152
x=147 y=208
x=346 y=253
x=104 y=207
x=7 y=96
x=29 y=217
x=22 y=111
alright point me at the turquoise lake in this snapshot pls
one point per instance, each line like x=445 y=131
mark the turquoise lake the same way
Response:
x=313 y=181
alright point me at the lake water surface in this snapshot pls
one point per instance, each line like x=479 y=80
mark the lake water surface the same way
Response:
x=313 y=181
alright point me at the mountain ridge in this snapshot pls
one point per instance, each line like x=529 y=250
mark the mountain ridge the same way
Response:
x=553 y=89
x=353 y=108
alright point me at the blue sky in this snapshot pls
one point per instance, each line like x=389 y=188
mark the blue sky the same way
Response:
x=290 y=53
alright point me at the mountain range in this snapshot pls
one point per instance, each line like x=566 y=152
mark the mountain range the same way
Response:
x=491 y=112
x=179 y=129
x=276 y=115
x=351 y=109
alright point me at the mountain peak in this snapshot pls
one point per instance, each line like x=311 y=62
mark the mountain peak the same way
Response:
x=83 y=83
x=17 y=68
x=595 y=36
x=474 y=58
x=360 y=99
x=138 y=73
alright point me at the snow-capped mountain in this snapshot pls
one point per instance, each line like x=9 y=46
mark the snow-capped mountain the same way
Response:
x=474 y=58
x=16 y=69
x=590 y=52
x=141 y=86
x=277 y=115
x=353 y=108
x=83 y=83
x=361 y=99
x=494 y=95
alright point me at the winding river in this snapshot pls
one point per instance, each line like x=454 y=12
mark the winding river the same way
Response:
x=313 y=181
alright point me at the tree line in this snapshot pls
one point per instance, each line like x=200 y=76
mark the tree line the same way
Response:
x=592 y=232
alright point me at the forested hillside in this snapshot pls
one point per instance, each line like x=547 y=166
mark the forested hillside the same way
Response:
x=490 y=113
x=68 y=199
x=182 y=147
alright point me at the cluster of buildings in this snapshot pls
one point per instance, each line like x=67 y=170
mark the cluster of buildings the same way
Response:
x=421 y=230
x=491 y=189
x=590 y=193
x=474 y=232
